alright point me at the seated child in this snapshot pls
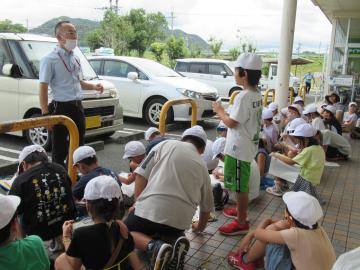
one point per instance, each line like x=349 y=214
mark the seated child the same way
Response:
x=135 y=153
x=297 y=241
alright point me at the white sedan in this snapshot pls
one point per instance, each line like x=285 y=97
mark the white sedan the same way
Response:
x=145 y=85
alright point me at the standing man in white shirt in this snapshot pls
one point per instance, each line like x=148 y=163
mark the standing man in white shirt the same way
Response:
x=242 y=139
x=61 y=70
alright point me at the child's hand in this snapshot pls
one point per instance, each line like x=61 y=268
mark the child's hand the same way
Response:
x=67 y=228
x=217 y=108
x=264 y=223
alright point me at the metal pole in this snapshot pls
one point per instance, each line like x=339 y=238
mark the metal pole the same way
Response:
x=286 y=47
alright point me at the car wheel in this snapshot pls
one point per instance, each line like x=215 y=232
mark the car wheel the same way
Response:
x=232 y=90
x=40 y=136
x=153 y=109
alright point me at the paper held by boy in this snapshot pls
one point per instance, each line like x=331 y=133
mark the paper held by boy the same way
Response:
x=284 y=171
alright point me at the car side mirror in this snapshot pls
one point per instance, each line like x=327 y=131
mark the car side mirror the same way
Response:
x=223 y=73
x=133 y=76
x=12 y=70
x=271 y=77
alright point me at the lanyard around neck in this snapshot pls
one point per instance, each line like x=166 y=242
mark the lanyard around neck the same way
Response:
x=68 y=68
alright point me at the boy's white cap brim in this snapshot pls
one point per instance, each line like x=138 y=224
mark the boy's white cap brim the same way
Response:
x=249 y=61
x=82 y=153
x=303 y=207
x=133 y=149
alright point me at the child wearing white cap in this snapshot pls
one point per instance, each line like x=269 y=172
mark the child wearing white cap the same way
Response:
x=350 y=118
x=135 y=152
x=27 y=253
x=243 y=124
x=299 y=100
x=311 y=159
x=296 y=242
x=86 y=162
x=45 y=192
x=270 y=130
x=106 y=242
x=313 y=116
x=330 y=120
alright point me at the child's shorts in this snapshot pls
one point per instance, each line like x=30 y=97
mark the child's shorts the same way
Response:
x=236 y=174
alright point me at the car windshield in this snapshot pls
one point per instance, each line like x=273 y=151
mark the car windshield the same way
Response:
x=155 y=68
x=35 y=50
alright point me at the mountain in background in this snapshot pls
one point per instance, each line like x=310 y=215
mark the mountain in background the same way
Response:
x=85 y=26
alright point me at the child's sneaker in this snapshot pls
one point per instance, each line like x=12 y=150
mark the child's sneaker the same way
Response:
x=230 y=212
x=234 y=228
x=235 y=260
x=274 y=190
x=180 y=249
x=160 y=254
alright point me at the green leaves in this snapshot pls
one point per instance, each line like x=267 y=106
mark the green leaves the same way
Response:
x=7 y=26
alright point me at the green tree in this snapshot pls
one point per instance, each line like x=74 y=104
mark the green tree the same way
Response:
x=215 y=46
x=7 y=26
x=234 y=53
x=195 y=51
x=147 y=29
x=175 y=48
x=158 y=48
x=114 y=32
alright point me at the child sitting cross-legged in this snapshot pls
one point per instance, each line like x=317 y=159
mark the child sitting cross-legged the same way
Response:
x=296 y=242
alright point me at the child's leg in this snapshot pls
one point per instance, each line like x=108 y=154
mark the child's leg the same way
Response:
x=242 y=201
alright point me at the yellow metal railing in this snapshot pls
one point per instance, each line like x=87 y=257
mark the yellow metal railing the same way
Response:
x=45 y=122
x=292 y=94
x=232 y=97
x=168 y=105
x=302 y=92
x=266 y=95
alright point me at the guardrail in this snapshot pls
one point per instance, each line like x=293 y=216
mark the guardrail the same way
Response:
x=302 y=92
x=44 y=122
x=292 y=94
x=266 y=95
x=170 y=103
x=232 y=97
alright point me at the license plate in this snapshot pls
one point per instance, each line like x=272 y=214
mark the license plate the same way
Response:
x=92 y=122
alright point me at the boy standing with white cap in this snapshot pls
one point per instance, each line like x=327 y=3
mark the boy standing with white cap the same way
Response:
x=242 y=138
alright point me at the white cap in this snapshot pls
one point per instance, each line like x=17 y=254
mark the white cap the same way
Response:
x=296 y=107
x=9 y=204
x=196 y=131
x=27 y=150
x=266 y=114
x=303 y=207
x=284 y=110
x=273 y=106
x=352 y=104
x=133 y=149
x=218 y=147
x=330 y=108
x=102 y=187
x=295 y=123
x=298 y=98
x=249 y=61
x=310 y=109
x=304 y=130
x=82 y=153
x=150 y=131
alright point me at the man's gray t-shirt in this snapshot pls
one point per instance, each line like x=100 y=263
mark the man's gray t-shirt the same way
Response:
x=178 y=181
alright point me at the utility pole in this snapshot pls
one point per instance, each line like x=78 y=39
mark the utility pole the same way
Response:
x=298 y=49
x=172 y=17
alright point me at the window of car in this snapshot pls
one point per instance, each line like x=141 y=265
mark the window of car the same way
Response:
x=197 y=68
x=181 y=67
x=216 y=69
x=4 y=57
x=96 y=64
x=121 y=69
x=20 y=59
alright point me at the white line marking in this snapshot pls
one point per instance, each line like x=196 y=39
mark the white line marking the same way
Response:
x=132 y=129
x=7 y=158
x=126 y=132
x=169 y=134
x=9 y=150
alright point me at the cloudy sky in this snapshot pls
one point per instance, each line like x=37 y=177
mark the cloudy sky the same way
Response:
x=256 y=20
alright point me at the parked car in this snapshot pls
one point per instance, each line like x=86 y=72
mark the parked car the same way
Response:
x=214 y=72
x=269 y=82
x=20 y=56
x=145 y=85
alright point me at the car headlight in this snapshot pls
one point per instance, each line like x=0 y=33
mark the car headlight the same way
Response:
x=113 y=93
x=189 y=93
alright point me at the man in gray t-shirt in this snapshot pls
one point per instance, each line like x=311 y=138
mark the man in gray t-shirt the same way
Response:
x=335 y=146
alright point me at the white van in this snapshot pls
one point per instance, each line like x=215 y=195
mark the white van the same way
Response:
x=20 y=55
x=215 y=72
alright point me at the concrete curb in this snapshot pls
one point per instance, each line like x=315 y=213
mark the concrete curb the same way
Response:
x=122 y=137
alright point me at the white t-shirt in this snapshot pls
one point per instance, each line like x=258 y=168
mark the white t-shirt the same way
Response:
x=350 y=118
x=242 y=140
x=318 y=123
x=272 y=135
x=337 y=141
x=178 y=181
x=208 y=156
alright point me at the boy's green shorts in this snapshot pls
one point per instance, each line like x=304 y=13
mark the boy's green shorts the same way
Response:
x=236 y=174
